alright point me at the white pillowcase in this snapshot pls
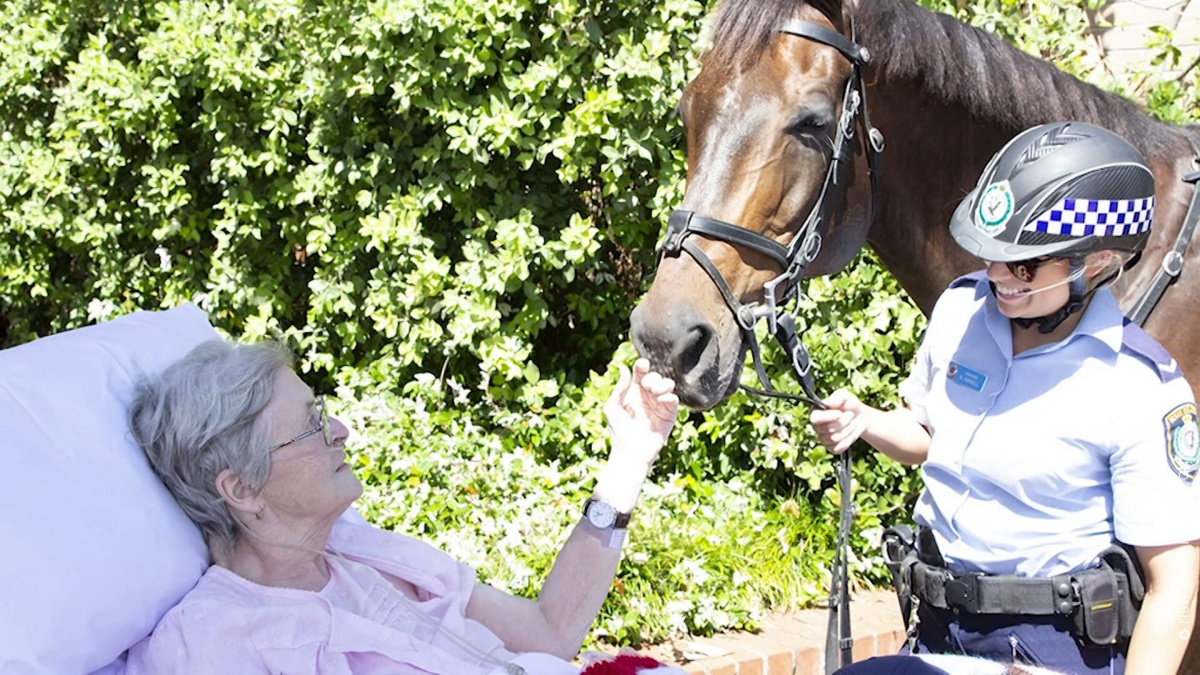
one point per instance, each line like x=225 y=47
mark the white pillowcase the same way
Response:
x=95 y=550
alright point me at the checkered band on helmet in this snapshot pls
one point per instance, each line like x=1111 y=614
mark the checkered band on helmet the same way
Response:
x=1060 y=189
x=1102 y=217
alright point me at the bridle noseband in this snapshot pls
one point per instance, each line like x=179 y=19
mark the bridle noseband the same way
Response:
x=795 y=258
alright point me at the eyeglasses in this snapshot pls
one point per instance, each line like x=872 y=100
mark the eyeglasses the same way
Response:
x=1026 y=270
x=322 y=427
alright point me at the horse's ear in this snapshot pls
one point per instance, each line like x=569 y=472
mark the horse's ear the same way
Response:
x=849 y=9
x=839 y=12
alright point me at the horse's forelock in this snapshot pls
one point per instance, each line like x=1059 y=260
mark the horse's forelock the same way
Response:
x=742 y=29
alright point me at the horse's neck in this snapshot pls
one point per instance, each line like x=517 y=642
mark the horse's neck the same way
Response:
x=935 y=152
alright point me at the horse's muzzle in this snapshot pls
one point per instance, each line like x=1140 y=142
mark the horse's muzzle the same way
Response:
x=683 y=346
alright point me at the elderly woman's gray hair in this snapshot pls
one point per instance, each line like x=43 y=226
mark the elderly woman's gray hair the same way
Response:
x=202 y=415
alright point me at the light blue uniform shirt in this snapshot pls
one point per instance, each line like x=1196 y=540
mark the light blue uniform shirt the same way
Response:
x=1039 y=461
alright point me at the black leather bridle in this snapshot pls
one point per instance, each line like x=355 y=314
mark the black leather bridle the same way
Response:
x=794 y=260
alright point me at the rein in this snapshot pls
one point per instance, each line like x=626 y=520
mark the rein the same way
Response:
x=794 y=260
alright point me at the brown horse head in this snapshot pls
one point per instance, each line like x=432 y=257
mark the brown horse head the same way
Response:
x=762 y=119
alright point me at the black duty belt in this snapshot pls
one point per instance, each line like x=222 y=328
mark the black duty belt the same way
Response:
x=1102 y=602
x=975 y=593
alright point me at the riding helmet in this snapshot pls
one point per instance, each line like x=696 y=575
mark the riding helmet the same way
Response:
x=1063 y=190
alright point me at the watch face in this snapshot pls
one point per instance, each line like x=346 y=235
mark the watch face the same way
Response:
x=601 y=515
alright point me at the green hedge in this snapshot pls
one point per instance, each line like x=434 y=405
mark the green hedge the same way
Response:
x=450 y=208
x=388 y=183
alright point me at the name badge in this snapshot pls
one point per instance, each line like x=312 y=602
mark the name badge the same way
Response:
x=971 y=379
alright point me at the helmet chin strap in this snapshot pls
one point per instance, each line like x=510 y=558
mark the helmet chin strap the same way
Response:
x=1075 y=301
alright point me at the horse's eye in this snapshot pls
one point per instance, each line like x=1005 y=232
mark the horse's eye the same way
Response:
x=809 y=123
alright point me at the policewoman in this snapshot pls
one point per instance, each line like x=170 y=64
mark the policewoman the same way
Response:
x=1058 y=442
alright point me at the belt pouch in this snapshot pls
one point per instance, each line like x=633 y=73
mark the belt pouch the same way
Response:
x=1128 y=612
x=1129 y=584
x=899 y=554
x=1097 y=620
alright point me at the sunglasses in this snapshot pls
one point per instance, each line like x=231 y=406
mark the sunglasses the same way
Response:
x=1026 y=270
x=321 y=428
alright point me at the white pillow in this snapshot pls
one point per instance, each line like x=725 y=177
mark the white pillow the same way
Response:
x=95 y=550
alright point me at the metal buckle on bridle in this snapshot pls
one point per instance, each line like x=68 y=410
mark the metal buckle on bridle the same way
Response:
x=772 y=299
x=850 y=106
x=876 y=137
x=748 y=315
x=785 y=333
x=800 y=257
x=783 y=327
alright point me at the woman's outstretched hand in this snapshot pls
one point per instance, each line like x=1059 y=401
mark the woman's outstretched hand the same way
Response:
x=641 y=412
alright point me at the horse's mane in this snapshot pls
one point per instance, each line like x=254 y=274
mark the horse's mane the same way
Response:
x=949 y=60
x=990 y=77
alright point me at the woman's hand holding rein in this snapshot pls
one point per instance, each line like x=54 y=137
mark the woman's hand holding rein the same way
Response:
x=896 y=433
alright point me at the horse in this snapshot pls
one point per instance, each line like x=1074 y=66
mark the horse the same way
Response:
x=770 y=122
x=760 y=120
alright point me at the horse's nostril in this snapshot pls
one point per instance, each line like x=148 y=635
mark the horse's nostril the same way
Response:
x=695 y=353
x=683 y=346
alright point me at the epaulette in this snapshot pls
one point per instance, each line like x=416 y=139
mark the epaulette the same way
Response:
x=972 y=280
x=968 y=279
x=1138 y=342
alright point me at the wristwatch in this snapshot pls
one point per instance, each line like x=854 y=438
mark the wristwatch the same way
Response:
x=604 y=516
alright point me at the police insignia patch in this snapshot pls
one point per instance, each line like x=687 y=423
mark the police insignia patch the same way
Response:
x=994 y=209
x=1183 y=441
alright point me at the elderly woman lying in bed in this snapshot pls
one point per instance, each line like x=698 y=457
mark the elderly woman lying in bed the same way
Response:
x=301 y=585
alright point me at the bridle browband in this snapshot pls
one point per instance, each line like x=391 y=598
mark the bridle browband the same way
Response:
x=794 y=260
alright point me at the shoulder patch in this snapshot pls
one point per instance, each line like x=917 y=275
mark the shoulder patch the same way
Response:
x=1138 y=342
x=1183 y=441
